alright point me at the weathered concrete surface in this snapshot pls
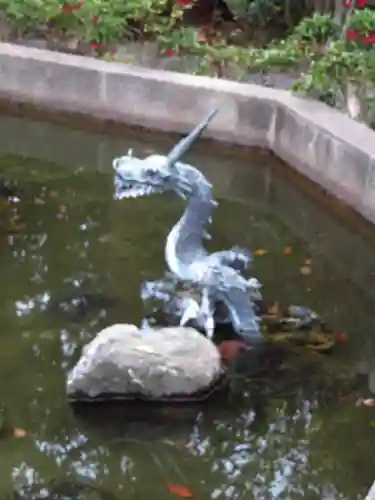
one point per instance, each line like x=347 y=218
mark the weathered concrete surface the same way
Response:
x=123 y=361
x=147 y=55
x=320 y=142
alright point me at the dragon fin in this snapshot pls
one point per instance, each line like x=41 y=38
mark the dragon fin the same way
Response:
x=209 y=327
x=191 y=312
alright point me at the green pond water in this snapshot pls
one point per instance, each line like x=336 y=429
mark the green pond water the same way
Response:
x=298 y=435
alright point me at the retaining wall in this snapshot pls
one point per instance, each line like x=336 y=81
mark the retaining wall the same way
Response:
x=320 y=142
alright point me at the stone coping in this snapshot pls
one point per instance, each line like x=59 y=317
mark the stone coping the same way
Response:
x=320 y=142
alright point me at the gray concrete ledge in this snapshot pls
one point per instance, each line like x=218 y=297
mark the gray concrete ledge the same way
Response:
x=321 y=143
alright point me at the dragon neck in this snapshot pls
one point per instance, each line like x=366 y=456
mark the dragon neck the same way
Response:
x=185 y=241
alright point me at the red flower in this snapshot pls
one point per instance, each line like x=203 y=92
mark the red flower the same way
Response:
x=341 y=337
x=369 y=39
x=184 y=3
x=351 y=35
x=171 y=53
x=68 y=8
x=95 y=45
x=360 y=3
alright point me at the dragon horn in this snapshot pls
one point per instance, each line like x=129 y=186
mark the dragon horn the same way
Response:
x=184 y=144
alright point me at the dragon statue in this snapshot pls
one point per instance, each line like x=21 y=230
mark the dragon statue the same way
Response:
x=217 y=277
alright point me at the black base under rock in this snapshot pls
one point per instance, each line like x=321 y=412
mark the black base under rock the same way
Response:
x=218 y=388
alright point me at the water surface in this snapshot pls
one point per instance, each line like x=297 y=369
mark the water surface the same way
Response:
x=68 y=237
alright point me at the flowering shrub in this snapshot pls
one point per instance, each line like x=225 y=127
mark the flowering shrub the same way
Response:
x=359 y=4
x=361 y=27
x=326 y=54
x=94 y=21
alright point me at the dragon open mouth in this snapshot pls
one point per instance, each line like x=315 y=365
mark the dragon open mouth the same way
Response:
x=133 y=190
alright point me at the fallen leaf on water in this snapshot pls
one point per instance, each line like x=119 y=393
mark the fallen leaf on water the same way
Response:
x=308 y=262
x=341 y=337
x=229 y=349
x=274 y=309
x=54 y=194
x=260 y=251
x=327 y=346
x=288 y=251
x=305 y=270
x=62 y=209
x=366 y=402
x=19 y=433
x=179 y=490
x=39 y=201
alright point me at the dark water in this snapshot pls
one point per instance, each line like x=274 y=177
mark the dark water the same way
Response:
x=67 y=237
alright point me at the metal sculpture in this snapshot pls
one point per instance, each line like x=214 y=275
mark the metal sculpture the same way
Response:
x=217 y=277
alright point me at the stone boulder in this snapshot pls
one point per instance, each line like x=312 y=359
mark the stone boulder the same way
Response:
x=125 y=362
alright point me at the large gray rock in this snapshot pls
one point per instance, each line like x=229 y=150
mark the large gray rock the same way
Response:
x=123 y=360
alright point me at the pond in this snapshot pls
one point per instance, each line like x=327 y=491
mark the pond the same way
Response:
x=67 y=237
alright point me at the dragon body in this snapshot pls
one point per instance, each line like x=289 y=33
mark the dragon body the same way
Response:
x=218 y=275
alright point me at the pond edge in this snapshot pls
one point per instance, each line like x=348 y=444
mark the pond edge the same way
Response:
x=322 y=143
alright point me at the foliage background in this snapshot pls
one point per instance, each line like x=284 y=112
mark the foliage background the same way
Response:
x=327 y=46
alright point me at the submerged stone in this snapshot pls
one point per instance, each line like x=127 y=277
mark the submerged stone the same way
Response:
x=125 y=362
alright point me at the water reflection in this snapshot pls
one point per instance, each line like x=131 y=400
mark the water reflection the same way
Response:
x=234 y=461
x=73 y=261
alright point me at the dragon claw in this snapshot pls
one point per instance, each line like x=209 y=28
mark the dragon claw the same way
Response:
x=183 y=188
x=181 y=194
x=253 y=283
x=186 y=187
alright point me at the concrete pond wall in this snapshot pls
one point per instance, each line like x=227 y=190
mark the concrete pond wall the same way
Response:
x=319 y=142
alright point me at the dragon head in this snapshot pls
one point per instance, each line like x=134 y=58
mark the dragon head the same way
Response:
x=156 y=173
x=135 y=177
